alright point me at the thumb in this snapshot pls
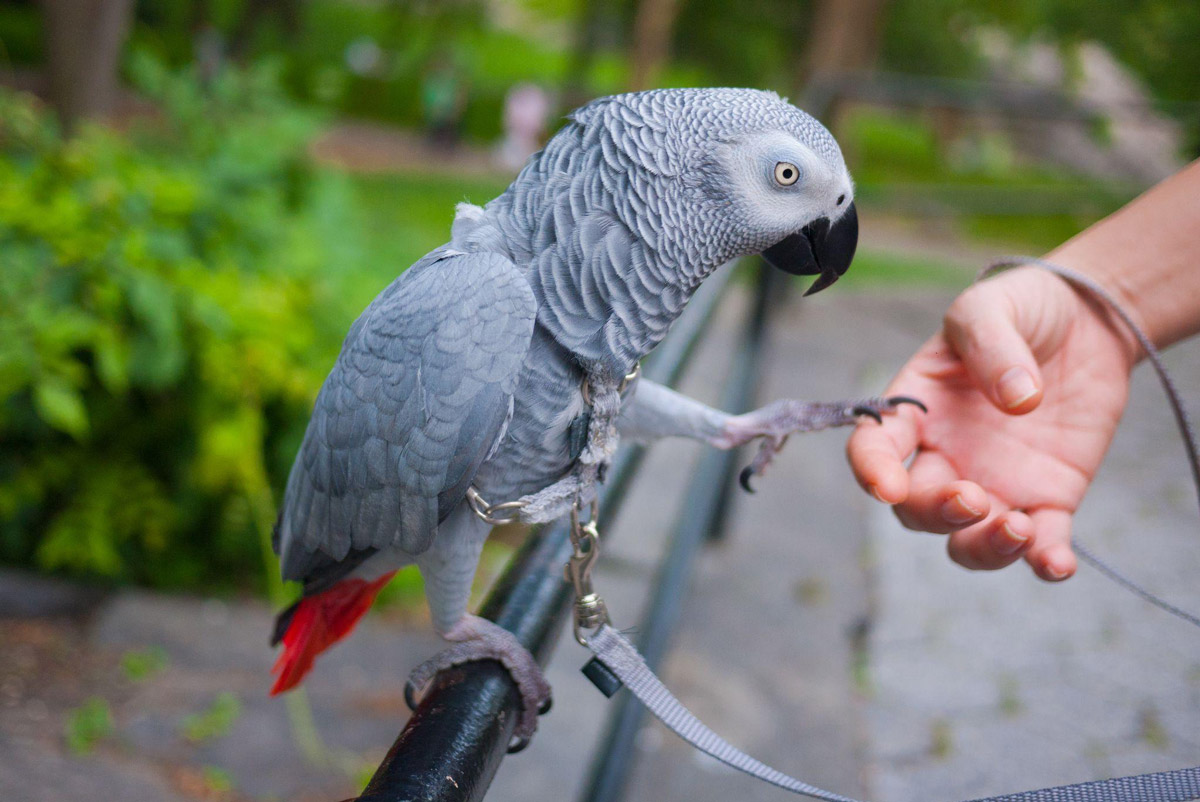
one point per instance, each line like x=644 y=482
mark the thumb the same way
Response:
x=982 y=328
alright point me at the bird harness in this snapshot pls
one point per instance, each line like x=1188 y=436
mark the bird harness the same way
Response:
x=602 y=398
x=618 y=663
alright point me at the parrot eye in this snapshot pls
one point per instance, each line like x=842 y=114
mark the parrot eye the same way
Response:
x=786 y=173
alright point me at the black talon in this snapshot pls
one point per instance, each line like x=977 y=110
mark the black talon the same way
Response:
x=869 y=412
x=545 y=706
x=744 y=478
x=518 y=744
x=410 y=696
x=897 y=400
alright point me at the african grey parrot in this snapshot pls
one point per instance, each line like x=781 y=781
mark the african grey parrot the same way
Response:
x=495 y=367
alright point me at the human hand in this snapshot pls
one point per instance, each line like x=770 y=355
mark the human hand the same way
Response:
x=1025 y=385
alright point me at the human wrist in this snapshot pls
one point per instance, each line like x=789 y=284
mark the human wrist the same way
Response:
x=1147 y=255
x=1123 y=289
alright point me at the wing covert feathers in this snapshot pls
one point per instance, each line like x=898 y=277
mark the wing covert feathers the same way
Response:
x=415 y=402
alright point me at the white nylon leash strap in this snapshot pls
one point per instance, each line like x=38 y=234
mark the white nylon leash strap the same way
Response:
x=623 y=659
x=1180 y=785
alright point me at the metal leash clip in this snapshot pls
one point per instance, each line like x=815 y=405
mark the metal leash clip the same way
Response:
x=508 y=512
x=629 y=378
x=590 y=610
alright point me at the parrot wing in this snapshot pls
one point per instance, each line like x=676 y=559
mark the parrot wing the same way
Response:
x=418 y=398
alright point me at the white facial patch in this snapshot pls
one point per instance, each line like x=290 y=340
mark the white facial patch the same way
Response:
x=778 y=209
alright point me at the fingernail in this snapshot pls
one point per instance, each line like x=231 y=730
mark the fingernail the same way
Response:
x=1005 y=541
x=875 y=493
x=1056 y=572
x=1016 y=387
x=957 y=511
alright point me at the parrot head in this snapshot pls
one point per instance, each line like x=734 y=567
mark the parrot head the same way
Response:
x=786 y=191
x=751 y=172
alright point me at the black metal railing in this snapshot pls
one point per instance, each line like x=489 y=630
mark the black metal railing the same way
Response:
x=452 y=745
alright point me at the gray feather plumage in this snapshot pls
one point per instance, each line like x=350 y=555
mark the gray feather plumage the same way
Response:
x=415 y=402
x=623 y=214
x=579 y=267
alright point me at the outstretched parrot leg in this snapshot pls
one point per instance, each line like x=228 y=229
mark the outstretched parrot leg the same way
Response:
x=476 y=638
x=774 y=422
x=656 y=411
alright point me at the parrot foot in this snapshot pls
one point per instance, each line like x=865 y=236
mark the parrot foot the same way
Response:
x=775 y=422
x=476 y=638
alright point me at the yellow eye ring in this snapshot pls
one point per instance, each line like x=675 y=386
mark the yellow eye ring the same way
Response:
x=786 y=174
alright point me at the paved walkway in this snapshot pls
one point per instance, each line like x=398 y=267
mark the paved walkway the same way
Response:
x=819 y=636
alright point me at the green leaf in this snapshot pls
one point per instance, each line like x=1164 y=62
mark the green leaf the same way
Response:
x=216 y=722
x=61 y=406
x=142 y=664
x=88 y=724
x=112 y=362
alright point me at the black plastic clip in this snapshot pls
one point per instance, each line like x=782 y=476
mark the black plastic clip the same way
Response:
x=602 y=677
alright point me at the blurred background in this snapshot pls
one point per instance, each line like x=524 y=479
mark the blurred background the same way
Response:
x=197 y=198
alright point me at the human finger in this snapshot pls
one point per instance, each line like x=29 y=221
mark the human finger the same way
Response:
x=1051 y=556
x=938 y=500
x=994 y=543
x=981 y=327
x=877 y=452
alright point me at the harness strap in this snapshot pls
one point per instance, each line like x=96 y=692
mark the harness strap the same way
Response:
x=602 y=397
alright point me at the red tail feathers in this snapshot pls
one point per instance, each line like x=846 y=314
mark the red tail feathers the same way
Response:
x=320 y=621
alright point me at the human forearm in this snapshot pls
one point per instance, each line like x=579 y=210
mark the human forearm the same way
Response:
x=1148 y=255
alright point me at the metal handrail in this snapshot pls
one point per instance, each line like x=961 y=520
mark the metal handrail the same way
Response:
x=451 y=747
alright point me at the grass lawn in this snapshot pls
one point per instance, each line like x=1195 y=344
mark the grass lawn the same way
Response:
x=403 y=217
x=874 y=268
x=988 y=190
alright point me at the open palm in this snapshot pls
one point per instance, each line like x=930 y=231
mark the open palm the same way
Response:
x=1025 y=386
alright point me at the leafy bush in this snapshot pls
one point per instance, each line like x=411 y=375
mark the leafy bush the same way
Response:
x=167 y=313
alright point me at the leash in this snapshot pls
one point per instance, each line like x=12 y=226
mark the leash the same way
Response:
x=618 y=663
x=1187 y=433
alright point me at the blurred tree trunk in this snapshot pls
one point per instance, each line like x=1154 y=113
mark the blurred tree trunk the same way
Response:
x=845 y=37
x=83 y=49
x=652 y=29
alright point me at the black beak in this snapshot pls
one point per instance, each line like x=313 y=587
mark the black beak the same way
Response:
x=818 y=249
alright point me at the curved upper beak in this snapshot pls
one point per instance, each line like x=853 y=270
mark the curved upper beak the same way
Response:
x=818 y=249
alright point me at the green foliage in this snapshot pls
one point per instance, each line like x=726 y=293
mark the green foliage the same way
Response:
x=217 y=780
x=931 y=37
x=900 y=165
x=1154 y=38
x=403 y=217
x=414 y=39
x=142 y=664
x=875 y=268
x=20 y=34
x=165 y=321
x=87 y=725
x=766 y=49
x=215 y=722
